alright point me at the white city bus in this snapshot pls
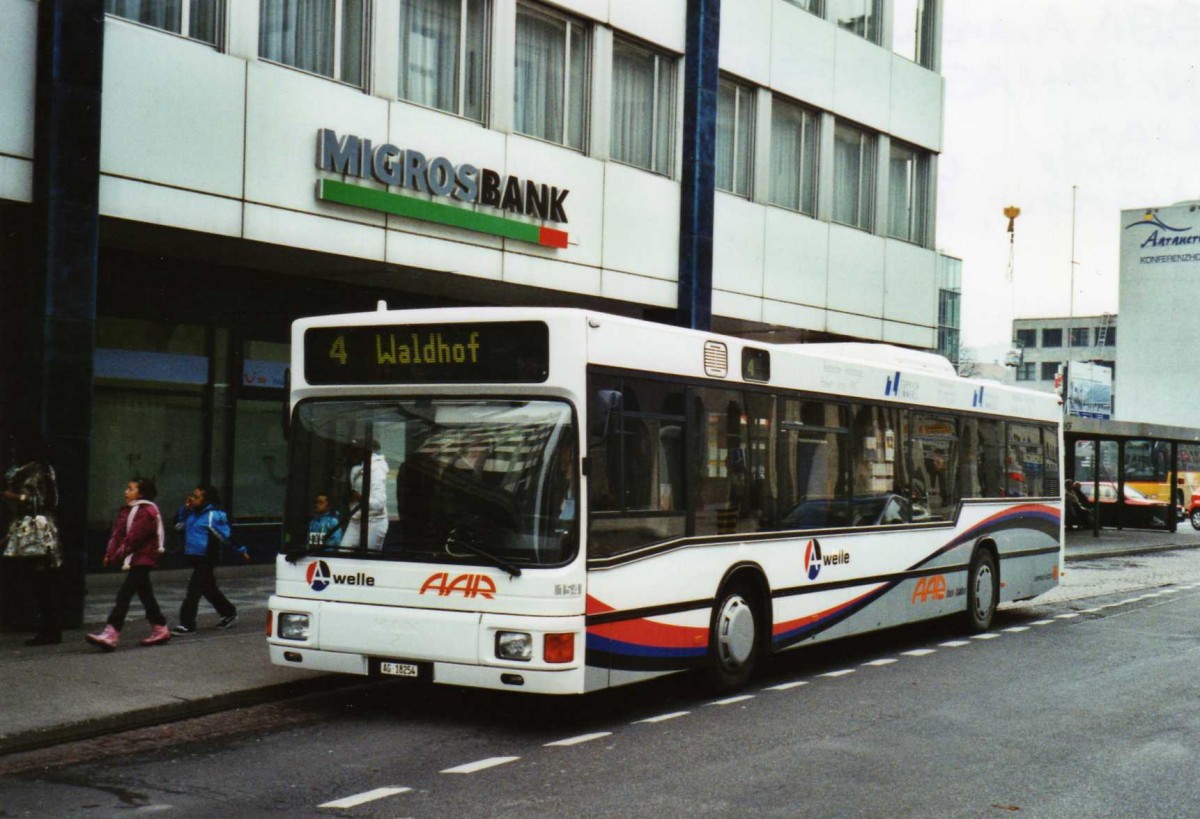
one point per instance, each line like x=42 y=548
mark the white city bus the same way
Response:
x=559 y=500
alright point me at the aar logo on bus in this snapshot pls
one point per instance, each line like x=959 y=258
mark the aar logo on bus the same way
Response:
x=812 y=559
x=318 y=575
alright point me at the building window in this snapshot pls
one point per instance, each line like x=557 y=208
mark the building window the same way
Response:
x=198 y=19
x=1080 y=337
x=949 y=302
x=1110 y=338
x=816 y=7
x=1049 y=370
x=735 y=132
x=551 y=77
x=908 y=186
x=860 y=17
x=443 y=51
x=1026 y=338
x=794 y=157
x=1052 y=338
x=912 y=23
x=325 y=37
x=853 y=175
x=643 y=107
x=1026 y=372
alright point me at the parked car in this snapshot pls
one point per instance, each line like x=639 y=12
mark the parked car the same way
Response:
x=1140 y=512
x=1193 y=510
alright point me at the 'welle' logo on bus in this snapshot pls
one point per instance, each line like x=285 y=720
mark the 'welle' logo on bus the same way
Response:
x=319 y=578
x=814 y=560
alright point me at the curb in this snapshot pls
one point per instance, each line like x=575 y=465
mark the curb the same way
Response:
x=1084 y=554
x=172 y=712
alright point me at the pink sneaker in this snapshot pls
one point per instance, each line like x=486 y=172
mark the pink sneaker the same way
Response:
x=106 y=639
x=158 y=635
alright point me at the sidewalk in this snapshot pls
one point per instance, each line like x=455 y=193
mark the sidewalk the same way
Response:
x=73 y=691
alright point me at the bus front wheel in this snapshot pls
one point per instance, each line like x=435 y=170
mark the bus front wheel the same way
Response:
x=983 y=591
x=733 y=641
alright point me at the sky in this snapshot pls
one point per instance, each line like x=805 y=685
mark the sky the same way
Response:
x=1043 y=96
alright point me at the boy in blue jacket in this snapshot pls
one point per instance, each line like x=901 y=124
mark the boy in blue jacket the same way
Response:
x=205 y=528
x=324 y=529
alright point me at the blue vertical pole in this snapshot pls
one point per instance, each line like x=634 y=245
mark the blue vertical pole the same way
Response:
x=699 y=164
x=66 y=205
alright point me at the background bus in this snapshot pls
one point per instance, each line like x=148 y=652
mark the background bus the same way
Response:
x=558 y=500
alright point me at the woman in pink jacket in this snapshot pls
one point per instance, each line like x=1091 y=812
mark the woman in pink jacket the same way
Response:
x=136 y=544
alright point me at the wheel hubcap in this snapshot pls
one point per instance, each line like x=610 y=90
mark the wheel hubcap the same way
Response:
x=983 y=591
x=735 y=632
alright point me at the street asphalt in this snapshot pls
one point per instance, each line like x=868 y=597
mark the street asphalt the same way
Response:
x=73 y=691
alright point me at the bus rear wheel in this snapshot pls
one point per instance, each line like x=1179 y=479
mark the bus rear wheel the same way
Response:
x=983 y=591
x=733 y=640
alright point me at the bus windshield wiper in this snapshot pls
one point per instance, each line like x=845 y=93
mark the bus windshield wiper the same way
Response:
x=453 y=542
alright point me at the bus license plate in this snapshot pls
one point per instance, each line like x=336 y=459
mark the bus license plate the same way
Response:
x=399 y=669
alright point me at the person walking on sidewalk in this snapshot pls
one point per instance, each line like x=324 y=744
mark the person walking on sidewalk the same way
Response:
x=205 y=529
x=136 y=543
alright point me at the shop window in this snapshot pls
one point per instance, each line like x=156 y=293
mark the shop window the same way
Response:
x=643 y=107
x=814 y=464
x=636 y=449
x=198 y=19
x=551 y=77
x=260 y=451
x=443 y=55
x=1051 y=337
x=853 y=175
x=913 y=26
x=859 y=17
x=326 y=37
x=735 y=137
x=794 y=145
x=908 y=192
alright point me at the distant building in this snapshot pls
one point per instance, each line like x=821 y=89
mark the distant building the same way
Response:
x=1044 y=344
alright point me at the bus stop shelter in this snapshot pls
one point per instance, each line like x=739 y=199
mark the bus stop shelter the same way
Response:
x=1143 y=474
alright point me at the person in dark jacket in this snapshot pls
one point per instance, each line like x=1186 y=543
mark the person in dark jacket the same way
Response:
x=205 y=529
x=31 y=489
x=136 y=543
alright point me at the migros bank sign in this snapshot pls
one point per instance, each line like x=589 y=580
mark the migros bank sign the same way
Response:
x=438 y=177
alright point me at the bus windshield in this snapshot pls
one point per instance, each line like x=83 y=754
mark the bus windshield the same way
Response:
x=477 y=481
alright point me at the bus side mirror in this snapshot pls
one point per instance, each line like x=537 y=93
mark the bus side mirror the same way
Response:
x=601 y=408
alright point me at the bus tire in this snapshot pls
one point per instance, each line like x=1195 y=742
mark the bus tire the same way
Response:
x=733 y=646
x=983 y=591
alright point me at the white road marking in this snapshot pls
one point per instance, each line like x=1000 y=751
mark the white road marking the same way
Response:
x=1015 y=629
x=955 y=644
x=1091 y=611
x=1067 y=616
x=562 y=743
x=362 y=798
x=887 y=661
x=1041 y=622
x=663 y=717
x=481 y=765
x=841 y=673
x=919 y=652
x=732 y=700
x=991 y=635
x=1169 y=591
x=788 y=685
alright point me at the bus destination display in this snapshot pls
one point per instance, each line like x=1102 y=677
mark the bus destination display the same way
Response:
x=489 y=353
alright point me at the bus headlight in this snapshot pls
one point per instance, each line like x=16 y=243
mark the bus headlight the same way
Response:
x=293 y=626
x=514 y=645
